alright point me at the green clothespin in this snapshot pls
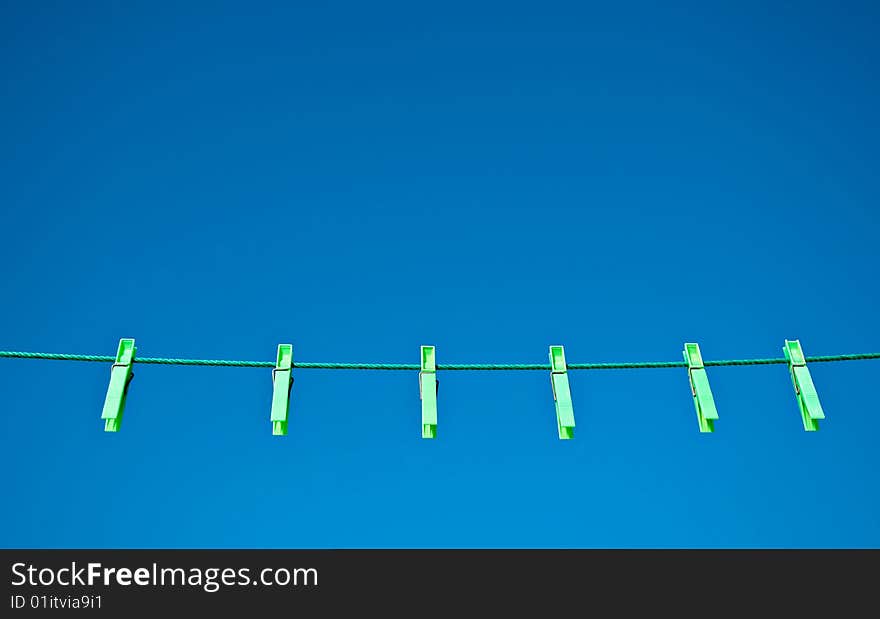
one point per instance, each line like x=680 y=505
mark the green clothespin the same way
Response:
x=282 y=381
x=120 y=378
x=808 y=399
x=703 y=400
x=428 y=388
x=561 y=393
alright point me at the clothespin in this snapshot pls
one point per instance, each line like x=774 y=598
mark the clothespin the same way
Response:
x=561 y=393
x=808 y=399
x=428 y=388
x=117 y=391
x=703 y=400
x=282 y=381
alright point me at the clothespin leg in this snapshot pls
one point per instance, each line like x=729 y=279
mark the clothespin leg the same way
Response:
x=707 y=414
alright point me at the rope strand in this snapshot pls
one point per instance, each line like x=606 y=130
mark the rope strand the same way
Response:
x=440 y=366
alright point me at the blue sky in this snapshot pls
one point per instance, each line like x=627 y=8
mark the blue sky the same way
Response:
x=361 y=179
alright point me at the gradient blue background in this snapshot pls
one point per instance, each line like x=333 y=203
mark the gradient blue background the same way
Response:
x=361 y=179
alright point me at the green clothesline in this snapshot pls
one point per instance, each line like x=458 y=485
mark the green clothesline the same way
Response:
x=282 y=380
x=415 y=366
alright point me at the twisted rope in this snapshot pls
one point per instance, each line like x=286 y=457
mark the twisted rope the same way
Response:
x=415 y=366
